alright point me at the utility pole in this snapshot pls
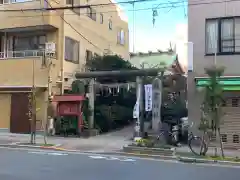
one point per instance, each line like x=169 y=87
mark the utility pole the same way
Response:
x=33 y=106
x=141 y=102
x=48 y=99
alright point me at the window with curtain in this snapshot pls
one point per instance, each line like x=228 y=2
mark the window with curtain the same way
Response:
x=223 y=35
x=121 y=37
x=211 y=36
x=227 y=35
x=237 y=34
x=71 y=50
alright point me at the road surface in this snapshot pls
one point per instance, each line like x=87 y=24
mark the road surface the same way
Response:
x=49 y=165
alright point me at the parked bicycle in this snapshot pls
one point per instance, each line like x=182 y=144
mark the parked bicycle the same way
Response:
x=196 y=144
x=171 y=135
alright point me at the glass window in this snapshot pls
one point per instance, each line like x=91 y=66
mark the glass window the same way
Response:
x=211 y=36
x=110 y=24
x=223 y=35
x=91 y=13
x=71 y=50
x=101 y=18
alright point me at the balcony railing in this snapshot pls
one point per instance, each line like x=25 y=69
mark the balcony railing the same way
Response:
x=22 y=54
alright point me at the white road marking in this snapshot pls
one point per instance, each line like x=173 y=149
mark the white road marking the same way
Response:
x=111 y=158
x=48 y=153
x=97 y=157
x=128 y=160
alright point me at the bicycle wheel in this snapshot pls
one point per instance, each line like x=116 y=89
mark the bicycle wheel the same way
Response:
x=197 y=146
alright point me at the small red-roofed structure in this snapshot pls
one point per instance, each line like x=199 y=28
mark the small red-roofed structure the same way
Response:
x=70 y=105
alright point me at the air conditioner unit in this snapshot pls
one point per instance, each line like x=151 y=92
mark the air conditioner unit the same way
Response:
x=50 y=47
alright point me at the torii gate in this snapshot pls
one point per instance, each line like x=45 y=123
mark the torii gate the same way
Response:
x=133 y=73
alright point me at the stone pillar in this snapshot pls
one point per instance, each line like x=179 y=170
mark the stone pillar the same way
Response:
x=157 y=102
x=91 y=103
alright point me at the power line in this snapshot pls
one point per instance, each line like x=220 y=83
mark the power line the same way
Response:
x=170 y=4
x=76 y=29
x=73 y=7
x=176 y=5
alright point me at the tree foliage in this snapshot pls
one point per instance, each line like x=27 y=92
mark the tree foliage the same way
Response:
x=212 y=104
x=110 y=63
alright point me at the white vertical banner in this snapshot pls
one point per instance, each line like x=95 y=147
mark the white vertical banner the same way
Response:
x=148 y=97
x=136 y=106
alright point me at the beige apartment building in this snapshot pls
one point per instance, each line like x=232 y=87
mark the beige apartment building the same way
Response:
x=40 y=45
x=214 y=28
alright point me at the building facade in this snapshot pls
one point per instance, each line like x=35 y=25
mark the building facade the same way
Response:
x=214 y=30
x=45 y=48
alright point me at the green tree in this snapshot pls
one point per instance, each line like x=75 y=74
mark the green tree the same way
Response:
x=212 y=104
x=110 y=63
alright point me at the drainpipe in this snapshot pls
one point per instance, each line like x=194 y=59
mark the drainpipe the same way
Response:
x=62 y=40
x=5 y=45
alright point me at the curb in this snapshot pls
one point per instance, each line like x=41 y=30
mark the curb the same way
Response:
x=206 y=161
x=56 y=147
x=141 y=155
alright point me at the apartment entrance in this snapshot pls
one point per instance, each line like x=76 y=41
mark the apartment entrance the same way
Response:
x=19 y=122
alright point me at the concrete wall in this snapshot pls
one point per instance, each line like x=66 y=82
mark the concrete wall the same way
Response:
x=196 y=34
x=30 y=18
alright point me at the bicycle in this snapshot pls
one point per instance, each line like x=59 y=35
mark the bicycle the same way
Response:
x=173 y=135
x=196 y=141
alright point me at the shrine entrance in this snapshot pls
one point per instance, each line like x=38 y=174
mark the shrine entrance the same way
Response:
x=93 y=85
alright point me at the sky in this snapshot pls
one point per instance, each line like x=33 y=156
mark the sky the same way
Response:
x=147 y=36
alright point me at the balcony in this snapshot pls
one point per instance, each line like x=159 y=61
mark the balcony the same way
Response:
x=22 y=54
x=35 y=19
x=17 y=68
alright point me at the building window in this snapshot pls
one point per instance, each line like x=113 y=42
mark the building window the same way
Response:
x=222 y=35
x=235 y=138
x=22 y=43
x=110 y=24
x=71 y=50
x=91 y=13
x=121 y=37
x=13 y=1
x=101 y=18
x=89 y=55
x=69 y=2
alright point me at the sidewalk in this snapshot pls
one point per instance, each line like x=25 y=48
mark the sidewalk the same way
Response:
x=110 y=142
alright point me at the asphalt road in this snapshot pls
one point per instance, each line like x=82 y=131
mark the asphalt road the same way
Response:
x=30 y=165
